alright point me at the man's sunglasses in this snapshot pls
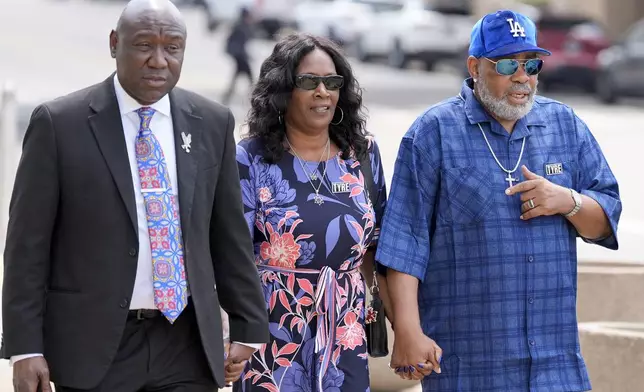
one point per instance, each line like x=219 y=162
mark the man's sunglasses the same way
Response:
x=507 y=67
x=311 y=82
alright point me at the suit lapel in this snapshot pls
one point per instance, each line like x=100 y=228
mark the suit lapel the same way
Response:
x=107 y=127
x=185 y=121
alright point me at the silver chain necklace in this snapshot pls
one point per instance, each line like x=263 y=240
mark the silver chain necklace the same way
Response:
x=317 y=198
x=509 y=178
x=313 y=176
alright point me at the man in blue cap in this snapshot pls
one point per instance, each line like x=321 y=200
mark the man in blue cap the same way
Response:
x=490 y=190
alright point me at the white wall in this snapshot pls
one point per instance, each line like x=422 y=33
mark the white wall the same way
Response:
x=9 y=154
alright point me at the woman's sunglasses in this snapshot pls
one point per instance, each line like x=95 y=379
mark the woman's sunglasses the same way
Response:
x=507 y=67
x=311 y=82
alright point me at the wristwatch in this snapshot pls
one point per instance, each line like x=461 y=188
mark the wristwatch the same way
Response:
x=577 y=198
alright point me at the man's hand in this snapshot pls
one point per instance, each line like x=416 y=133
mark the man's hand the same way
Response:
x=541 y=197
x=29 y=374
x=415 y=355
x=238 y=356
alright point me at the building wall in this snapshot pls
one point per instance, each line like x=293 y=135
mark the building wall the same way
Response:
x=628 y=13
x=616 y=15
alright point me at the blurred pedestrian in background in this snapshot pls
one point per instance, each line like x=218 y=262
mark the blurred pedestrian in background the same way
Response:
x=313 y=225
x=490 y=191
x=241 y=33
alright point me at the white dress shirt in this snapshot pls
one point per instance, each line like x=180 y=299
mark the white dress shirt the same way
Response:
x=161 y=127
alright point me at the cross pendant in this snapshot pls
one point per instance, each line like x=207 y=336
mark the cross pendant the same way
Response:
x=510 y=180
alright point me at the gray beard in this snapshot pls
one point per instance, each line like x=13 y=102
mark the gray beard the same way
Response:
x=500 y=107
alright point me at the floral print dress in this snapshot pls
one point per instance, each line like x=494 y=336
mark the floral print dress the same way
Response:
x=307 y=255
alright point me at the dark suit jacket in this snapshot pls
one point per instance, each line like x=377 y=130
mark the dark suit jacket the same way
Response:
x=71 y=249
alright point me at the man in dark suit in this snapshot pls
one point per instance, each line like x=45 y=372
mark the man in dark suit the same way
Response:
x=126 y=231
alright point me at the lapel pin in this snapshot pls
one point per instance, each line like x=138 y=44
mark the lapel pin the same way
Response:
x=340 y=187
x=554 y=169
x=187 y=139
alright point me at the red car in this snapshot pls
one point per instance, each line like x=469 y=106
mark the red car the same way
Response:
x=575 y=43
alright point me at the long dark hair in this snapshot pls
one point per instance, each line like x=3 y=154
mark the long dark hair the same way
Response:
x=272 y=93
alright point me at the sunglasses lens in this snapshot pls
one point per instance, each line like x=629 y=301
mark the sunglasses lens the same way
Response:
x=333 y=82
x=507 y=66
x=533 y=67
x=307 y=82
x=311 y=82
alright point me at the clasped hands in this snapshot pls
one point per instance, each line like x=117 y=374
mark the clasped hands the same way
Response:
x=237 y=355
x=541 y=197
x=415 y=355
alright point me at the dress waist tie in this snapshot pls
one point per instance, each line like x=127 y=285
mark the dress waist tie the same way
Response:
x=325 y=307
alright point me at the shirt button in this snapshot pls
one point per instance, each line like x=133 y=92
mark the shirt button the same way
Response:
x=530 y=300
x=124 y=303
x=132 y=252
x=532 y=342
x=530 y=259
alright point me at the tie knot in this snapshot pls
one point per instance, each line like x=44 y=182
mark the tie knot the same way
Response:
x=145 y=114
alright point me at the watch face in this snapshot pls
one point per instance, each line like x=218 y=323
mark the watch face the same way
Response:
x=577 y=198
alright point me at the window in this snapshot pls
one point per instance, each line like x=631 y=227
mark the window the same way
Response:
x=381 y=6
x=636 y=34
x=449 y=7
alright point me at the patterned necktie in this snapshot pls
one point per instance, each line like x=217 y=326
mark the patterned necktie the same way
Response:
x=169 y=273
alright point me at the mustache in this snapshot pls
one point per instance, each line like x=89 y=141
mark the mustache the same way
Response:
x=520 y=89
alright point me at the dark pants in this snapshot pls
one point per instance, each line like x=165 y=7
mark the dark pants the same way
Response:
x=155 y=355
x=242 y=67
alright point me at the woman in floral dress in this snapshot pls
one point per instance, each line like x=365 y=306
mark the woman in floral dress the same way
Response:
x=313 y=226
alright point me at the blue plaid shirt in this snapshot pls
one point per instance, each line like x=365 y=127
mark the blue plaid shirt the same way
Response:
x=497 y=293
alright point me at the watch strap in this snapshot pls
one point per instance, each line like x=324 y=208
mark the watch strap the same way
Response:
x=577 y=199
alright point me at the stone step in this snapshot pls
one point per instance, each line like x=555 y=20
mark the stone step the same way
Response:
x=614 y=355
x=610 y=291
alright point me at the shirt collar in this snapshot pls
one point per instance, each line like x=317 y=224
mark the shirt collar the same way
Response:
x=127 y=104
x=476 y=113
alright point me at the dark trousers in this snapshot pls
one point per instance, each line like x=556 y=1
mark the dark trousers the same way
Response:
x=155 y=355
x=242 y=67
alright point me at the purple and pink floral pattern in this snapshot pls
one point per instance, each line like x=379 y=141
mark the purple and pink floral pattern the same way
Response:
x=308 y=257
x=164 y=227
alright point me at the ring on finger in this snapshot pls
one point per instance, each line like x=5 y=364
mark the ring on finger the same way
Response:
x=531 y=203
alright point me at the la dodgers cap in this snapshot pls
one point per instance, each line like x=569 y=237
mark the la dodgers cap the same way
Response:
x=504 y=33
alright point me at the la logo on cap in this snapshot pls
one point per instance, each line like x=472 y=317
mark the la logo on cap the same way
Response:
x=515 y=28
